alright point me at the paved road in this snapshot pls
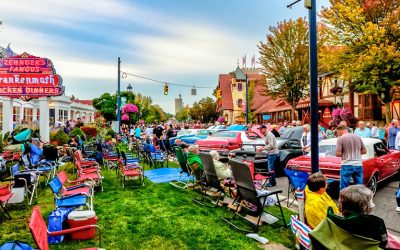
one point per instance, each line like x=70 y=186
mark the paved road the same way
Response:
x=385 y=202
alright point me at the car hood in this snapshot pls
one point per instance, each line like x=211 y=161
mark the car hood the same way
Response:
x=213 y=141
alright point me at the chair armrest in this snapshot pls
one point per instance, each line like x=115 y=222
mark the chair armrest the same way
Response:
x=269 y=193
x=70 y=196
x=74 y=187
x=87 y=171
x=76 y=229
x=74 y=181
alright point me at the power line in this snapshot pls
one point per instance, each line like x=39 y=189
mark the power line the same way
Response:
x=125 y=74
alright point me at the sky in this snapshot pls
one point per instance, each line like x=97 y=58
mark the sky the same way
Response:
x=188 y=42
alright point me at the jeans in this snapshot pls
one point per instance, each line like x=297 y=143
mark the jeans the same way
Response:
x=347 y=172
x=271 y=167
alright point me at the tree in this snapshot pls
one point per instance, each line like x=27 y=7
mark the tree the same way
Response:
x=369 y=32
x=204 y=110
x=284 y=60
x=183 y=115
x=144 y=104
x=106 y=104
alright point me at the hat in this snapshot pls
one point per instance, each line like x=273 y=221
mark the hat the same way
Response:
x=262 y=126
x=35 y=139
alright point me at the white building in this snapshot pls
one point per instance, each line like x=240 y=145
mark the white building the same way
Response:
x=60 y=108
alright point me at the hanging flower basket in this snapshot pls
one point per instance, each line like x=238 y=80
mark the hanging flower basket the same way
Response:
x=130 y=108
x=125 y=117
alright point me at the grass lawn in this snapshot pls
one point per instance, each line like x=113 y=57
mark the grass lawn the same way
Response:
x=157 y=216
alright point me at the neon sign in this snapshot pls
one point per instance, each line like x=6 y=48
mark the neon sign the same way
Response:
x=29 y=77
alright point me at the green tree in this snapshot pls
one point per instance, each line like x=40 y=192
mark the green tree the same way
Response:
x=184 y=114
x=204 y=110
x=284 y=60
x=106 y=104
x=369 y=32
x=144 y=103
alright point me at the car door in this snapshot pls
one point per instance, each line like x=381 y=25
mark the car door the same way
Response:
x=384 y=160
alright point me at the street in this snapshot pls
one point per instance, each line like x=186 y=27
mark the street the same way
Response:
x=385 y=202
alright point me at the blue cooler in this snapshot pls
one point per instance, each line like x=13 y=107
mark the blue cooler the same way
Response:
x=56 y=219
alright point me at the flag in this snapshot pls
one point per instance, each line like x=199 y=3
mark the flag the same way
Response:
x=253 y=61
x=8 y=52
x=244 y=61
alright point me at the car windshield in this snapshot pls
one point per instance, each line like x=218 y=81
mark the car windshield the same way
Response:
x=203 y=132
x=326 y=150
x=227 y=134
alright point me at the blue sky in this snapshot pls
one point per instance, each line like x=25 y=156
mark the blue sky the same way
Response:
x=182 y=41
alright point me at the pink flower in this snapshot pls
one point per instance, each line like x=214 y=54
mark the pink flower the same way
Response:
x=130 y=108
x=125 y=117
x=221 y=119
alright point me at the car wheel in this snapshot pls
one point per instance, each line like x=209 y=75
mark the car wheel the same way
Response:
x=373 y=183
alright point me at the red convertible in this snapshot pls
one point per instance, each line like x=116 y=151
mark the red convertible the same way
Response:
x=227 y=140
x=379 y=163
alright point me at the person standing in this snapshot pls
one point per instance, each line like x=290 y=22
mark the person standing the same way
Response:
x=283 y=128
x=271 y=148
x=374 y=130
x=349 y=147
x=362 y=131
x=305 y=139
x=392 y=133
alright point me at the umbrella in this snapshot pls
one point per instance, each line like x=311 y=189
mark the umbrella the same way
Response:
x=23 y=136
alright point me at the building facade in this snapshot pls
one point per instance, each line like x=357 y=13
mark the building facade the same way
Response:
x=178 y=104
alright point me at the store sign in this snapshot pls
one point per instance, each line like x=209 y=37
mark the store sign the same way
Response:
x=29 y=76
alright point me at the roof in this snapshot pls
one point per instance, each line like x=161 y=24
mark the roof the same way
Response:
x=279 y=105
x=87 y=102
x=224 y=84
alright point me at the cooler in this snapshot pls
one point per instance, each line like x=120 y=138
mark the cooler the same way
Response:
x=82 y=218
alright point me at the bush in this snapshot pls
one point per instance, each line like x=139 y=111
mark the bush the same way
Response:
x=111 y=133
x=77 y=132
x=60 y=136
x=89 y=131
x=108 y=137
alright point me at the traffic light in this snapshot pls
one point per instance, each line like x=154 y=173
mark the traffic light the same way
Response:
x=165 y=89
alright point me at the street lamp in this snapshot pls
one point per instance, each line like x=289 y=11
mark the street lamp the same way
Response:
x=119 y=96
x=240 y=75
x=129 y=88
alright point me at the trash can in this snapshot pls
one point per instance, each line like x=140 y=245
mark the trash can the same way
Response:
x=79 y=219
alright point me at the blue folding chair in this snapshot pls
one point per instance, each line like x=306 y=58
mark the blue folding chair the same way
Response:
x=75 y=200
x=156 y=156
x=297 y=181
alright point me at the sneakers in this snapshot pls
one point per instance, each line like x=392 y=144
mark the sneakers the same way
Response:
x=398 y=209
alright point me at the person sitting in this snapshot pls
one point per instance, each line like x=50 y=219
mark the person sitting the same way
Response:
x=356 y=205
x=317 y=200
x=223 y=171
x=183 y=145
x=35 y=151
x=194 y=161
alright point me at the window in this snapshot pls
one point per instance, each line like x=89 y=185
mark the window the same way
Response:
x=62 y=115
x=28 y=115
x=239 y=86
x=365 y=106
x=16 y=114
x=240 y=103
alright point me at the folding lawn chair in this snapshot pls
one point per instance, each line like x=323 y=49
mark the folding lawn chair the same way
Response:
x=45 y=169
x=78 y=186
x=185 y=169
x=25 y=185
x=75 y=200
x=248 y=198
x=131 y=171
x=297 y=181
x=40 y=233
x=155 y=156
x=5 y=195
x=211 y=188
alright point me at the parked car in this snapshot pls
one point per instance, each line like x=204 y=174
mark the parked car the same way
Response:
x=184 y=132
x=225 y=141
x=288 y=145
x=379 y=163
x=201 y=134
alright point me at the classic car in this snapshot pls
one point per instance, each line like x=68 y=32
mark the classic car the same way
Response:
x=201 y=134
x=225 y=141
x=288 y=144
x=379 y=163
x=184 y=132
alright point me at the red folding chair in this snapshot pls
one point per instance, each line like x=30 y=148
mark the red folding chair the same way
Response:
x=5 y=195
x=130 y=171
x=40 y=234
x=78 y=185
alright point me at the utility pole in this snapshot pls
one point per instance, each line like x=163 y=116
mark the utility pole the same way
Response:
x=119 y=96
x=313 y=54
